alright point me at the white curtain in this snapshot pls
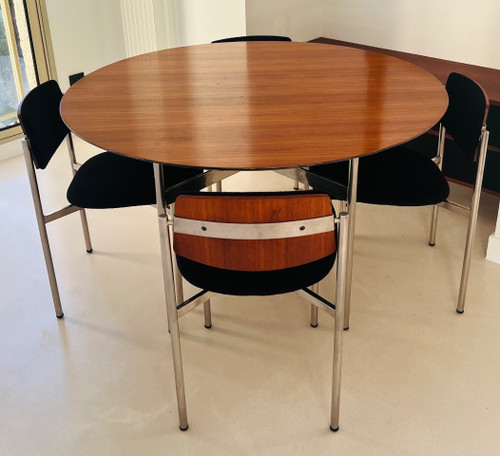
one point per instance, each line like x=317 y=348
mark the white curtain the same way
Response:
x=139 y=28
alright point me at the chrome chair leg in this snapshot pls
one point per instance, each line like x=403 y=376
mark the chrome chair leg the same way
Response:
x=464 y=279
x=471 y=230
x=170 y=297
x=315 y=287
x=83 y=215
x=49 y=264
x=434 y=217
x=340 y=297
x=314 y=309
x=179 y=289
x=207 y=314
x=207 y=311
x=50 y=268
x=86 y=232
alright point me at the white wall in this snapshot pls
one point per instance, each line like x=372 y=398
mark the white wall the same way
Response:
x=200 y=21
x=460 y=30
x=493 y=252
x=86 y=35
x=298 y=19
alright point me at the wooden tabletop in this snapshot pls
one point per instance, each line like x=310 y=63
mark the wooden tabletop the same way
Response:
x=255 y=105
x=488 y=78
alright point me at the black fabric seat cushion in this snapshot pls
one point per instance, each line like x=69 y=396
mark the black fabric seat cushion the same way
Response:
x=261 y=283
x=109 y=180
x=395 y=177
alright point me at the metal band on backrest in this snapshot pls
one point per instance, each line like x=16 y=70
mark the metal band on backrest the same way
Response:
x=277 y=230
x=254 y=232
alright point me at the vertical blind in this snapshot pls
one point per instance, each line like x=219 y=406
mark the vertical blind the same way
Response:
x=138 y=26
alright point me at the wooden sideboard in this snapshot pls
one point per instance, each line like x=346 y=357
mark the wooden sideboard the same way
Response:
x=455 y=167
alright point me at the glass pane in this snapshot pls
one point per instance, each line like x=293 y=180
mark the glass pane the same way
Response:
x=17 y=69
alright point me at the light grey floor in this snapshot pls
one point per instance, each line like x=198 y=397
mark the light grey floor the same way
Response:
x=418 y=379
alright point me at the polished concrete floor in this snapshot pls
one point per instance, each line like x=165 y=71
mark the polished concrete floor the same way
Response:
x=418 y=379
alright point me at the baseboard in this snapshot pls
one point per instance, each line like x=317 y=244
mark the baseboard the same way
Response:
x=10 y=149
x=493 y=252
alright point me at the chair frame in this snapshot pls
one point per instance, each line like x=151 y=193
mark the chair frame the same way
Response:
x=349 y=205
x=320 y=183
x=195 y=183
x=43 y=219
x=175 y=310
x=471 y=211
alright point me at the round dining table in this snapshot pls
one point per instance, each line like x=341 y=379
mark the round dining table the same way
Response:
x=254 y=105
x=251 y=106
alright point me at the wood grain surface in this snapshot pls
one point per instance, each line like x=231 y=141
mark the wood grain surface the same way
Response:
x=488 y=78
x=254 y=255
x=254 y=105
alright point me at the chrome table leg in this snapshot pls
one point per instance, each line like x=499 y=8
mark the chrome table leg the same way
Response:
x=439 y=162
x=171 y=304
x=352 y=192
x=340 y=297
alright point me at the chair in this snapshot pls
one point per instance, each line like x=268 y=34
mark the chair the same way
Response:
x=253 y=38
x=404 y=177
x=256 y=244
x=104 y=181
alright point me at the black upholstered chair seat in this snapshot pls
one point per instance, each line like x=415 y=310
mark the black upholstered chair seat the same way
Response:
x=242 y=283
x=397 y=177
x=108 y=181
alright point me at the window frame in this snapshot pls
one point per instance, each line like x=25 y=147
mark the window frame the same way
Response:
x=38 y=27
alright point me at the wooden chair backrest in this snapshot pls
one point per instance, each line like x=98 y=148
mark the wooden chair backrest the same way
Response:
x=254 y=232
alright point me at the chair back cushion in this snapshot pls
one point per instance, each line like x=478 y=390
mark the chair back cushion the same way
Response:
x=41 y=121
x=466 y=114
x=254 y=232
x=253 y=38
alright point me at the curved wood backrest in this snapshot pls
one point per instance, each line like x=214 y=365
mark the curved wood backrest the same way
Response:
x=285 y=222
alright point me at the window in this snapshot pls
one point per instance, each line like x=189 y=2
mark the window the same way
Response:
x=25 y=58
